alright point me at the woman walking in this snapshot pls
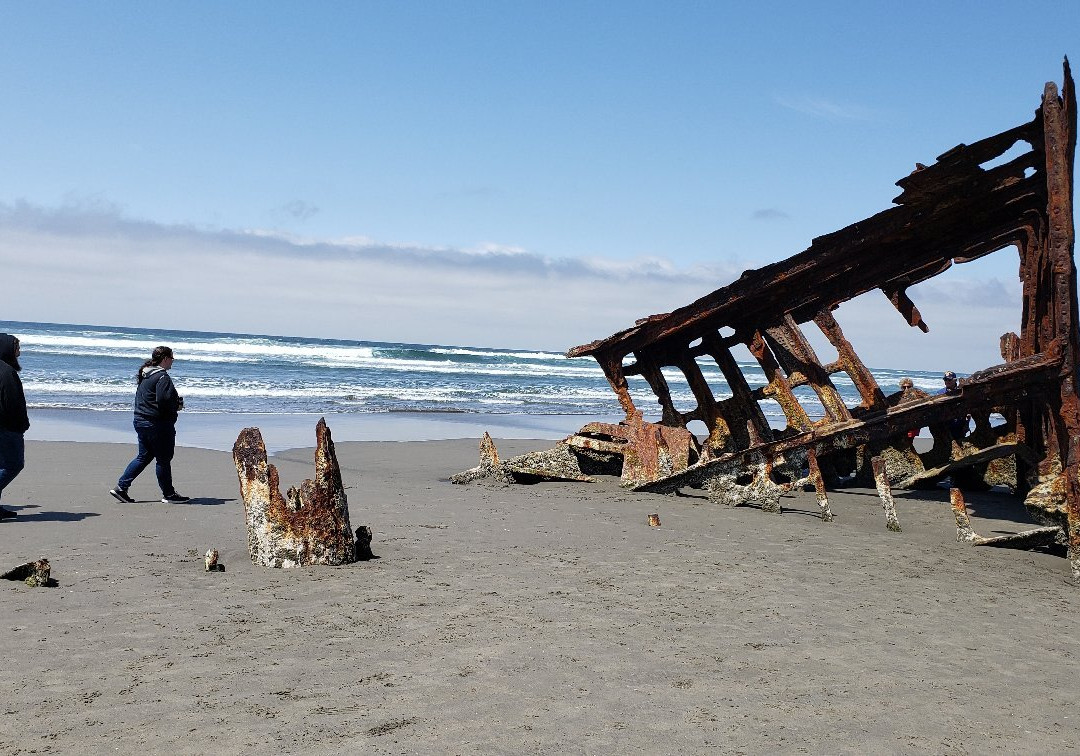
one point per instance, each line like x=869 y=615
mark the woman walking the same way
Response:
x=13 y=419
x=156 y=406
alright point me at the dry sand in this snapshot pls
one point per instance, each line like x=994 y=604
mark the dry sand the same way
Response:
x=529 y=619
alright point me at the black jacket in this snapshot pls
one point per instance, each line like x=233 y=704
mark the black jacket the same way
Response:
x=12 y=400
x=156 y=398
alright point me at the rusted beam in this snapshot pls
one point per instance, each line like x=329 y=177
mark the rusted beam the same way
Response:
x=881 y=479
x=795 y=354
x=903 y=304
x=1059 y=125
x=819 y=486
x=850 y=362
x=778 y=388
x=1028 y=539
x=742 y=408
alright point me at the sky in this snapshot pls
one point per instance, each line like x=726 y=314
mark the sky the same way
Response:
x=529 y=175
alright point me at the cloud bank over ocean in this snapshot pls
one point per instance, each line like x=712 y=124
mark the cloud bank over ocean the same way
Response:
x=87 y=263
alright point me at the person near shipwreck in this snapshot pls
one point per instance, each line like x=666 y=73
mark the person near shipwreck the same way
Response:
x=907 y=393
x=958 y=426
x=156 y=407
x=14 y=421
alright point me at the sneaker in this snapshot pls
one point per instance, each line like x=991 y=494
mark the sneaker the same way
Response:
x=7 y=514
x=121 y=494
x=175 y=498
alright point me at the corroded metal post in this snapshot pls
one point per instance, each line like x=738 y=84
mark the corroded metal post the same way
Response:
x=819 y=486
x=310 y=524
x=881 y=478
x=964 y=531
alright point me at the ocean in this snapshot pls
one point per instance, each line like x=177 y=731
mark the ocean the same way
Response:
x=77 y=377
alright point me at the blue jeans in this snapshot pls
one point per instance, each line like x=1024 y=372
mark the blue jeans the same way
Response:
x=156 y=442
x=12 y=456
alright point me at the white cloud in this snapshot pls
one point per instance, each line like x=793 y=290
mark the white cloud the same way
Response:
x=96 y=267
x=100 y=268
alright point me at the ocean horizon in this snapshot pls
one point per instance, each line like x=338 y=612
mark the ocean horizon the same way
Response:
x=79 y=382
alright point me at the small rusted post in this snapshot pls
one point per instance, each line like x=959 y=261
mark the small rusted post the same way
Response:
x=310 y=524
x=881 y=479
x=963 y=524
x=819 y=486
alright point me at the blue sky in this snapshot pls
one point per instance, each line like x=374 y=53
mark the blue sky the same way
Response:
x=477 y=172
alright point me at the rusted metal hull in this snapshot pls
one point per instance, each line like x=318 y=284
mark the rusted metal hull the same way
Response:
x=962 y=207
x=970 y=203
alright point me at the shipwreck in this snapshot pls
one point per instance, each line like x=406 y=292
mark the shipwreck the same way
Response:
x=970 y=203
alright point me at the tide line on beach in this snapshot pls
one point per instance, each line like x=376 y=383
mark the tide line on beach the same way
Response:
x=218 y=431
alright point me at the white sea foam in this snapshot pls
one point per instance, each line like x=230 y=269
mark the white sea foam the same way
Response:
x=72 y=366
x=500 y=354
x=214 y=351
x=32 y=387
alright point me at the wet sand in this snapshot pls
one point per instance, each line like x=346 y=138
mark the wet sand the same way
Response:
x=529 y=619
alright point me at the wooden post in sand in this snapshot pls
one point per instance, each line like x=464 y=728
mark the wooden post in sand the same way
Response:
x=310 y=524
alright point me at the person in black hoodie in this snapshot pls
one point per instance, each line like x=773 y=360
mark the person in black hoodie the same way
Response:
x=13 y=419
x=156 y=407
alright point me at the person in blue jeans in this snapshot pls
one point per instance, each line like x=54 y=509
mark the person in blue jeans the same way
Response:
x=13 y=419
x=156 y=408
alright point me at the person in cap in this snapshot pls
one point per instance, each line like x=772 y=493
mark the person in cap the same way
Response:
x=952 y=384
x=958 y=426
x=907 y=393
x=13 y=418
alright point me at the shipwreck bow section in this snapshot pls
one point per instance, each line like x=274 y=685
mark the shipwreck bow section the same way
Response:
x=970 y=203
x=310 y=524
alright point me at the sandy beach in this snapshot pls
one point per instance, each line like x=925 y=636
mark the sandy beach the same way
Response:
x=526 y=619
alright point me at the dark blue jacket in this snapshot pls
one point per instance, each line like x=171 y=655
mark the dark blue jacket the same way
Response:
x=12 y=400
x=156 y=399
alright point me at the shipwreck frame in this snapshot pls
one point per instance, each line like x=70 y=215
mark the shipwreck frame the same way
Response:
x=970 y=203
